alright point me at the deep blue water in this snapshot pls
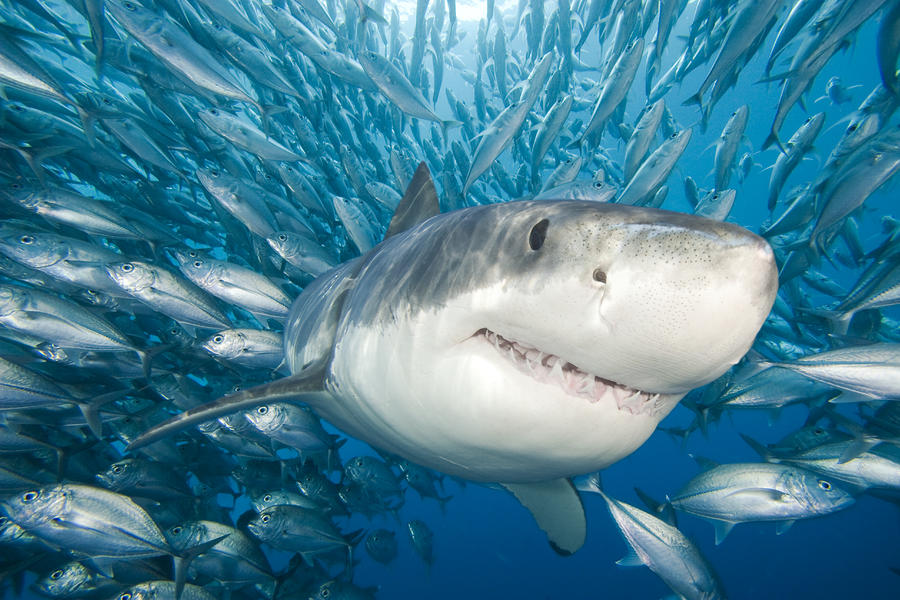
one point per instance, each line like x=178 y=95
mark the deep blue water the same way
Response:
x=487 y=546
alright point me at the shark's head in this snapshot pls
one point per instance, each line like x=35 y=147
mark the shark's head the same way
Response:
x=532 y=340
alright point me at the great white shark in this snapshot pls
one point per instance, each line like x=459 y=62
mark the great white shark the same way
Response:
x=519 y=343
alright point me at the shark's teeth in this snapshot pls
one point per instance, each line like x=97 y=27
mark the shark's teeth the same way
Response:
x=549 y=368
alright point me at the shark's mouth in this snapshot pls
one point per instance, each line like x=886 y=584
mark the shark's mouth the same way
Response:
x=549 y=368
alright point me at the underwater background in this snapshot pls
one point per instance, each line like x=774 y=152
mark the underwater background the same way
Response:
x=485 y=544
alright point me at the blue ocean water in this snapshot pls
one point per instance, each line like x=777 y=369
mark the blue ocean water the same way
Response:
x=486 y=544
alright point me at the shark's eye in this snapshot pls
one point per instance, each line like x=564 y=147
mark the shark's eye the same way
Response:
x=538 y=234
x=599 y=276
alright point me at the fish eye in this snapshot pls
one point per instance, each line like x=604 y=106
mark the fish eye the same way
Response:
x=325 y=592
x=818 y=431
x=127 y=268
x=125 y=596
x=214 y=172
x=106 y=101
x=218 y=339
x=824 y=485
x=132 y=7
x=26 y=239
x=214 y=111
x=538 y=234
x=599 y=275
x=198 y=263
x=176 y=530
x=267 y=498
x=264 y=518
x=282 y=237
x=16 y=186
x=262 y=410
x=56 y=574
x=117 y=468
x=29 y=496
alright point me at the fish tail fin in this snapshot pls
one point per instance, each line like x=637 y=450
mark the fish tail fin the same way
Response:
x=772 y=138
x=367 y=13
x=87 y=124
x=182 y=561
x=447 y=125
x=759 y=448
x=664 y=509
x=695 y=99
x=442 y=502
x=591 y=483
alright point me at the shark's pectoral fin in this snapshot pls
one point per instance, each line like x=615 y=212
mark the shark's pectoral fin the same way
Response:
x=557 y=508
x=308 y=382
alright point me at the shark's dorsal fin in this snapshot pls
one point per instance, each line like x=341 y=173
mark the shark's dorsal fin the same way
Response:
x=420 y=202
x=557 y=508
x=309 y=381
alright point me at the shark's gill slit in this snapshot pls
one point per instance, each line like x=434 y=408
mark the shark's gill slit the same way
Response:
x=549 y=368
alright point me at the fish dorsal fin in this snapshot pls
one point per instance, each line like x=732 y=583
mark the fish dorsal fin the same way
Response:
x=308 y=381
x=557 y=508
x=420 y=202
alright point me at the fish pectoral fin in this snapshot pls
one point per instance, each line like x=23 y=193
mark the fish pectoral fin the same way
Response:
x=309 y=381
x=723 y=528
x=630 y=560
x=557 y=508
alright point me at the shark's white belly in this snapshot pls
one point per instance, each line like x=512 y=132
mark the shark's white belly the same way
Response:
x=468 y=411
